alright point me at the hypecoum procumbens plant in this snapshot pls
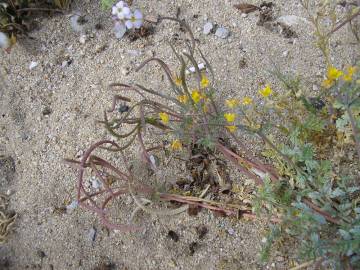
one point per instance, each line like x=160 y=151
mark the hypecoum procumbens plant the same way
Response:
x=307 y=175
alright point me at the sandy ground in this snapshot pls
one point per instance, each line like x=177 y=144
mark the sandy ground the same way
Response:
x=49 y=113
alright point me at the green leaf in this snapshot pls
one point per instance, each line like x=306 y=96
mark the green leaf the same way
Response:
x=337 y=193
x=344 y=234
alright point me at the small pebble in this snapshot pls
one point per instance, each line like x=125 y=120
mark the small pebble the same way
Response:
x=134 y=52
x=222 y=32
x=231 y=231
x=46 y=111
x=64 y=64
x=286 y=53
x=207 y=28
x=72 y=206
x=82 y=39
x=92 y=234
x=173 y=235
x=95 y=183
x=125 y=71
x=244 y=15
x=33 y=65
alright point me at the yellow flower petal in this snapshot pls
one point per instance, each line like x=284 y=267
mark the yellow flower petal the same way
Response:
x=176 y=145
x=204 y=81
x=231 y=128
x=231 y=103
x=230 y=117
x=247 y=101
x=347 y=78
x=183 y=98
x=350 y=72
x=164 y=117
x=333 y=73
x=178 y=81
x=196 y=96
x=267 y=91
x=327 y=83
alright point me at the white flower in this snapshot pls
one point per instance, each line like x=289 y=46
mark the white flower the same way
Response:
x=4 y=41
x=135 y=20
x=119 y=29
x=121 y=10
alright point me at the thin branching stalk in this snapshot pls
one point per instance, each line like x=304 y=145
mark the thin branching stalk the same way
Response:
x=355 y=130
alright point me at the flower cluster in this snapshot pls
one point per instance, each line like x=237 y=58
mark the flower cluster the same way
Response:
x=333 y=74
x=125 y=19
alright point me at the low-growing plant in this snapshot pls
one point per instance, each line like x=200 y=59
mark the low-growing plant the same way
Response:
x=16 y=16
x=307 y=176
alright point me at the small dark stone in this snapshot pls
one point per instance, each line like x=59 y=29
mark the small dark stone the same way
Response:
x=98 y=26
x=173 y=235
x=201 y=231
x=105 y=266
x=192 y=247
x=123 y=108
x=46 y=111
x=41 y=254
x=242 y=63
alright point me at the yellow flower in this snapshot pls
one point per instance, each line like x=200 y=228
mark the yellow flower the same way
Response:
x=196 y=96
x=164 y=117
x=231 y=103
x=327 y=83
x=183 y=98
x=267 y=91
x=350 y=72
x=333 y=73
x=230 y=117
x=176 y=145
x=247 y=101
x=231 y=128
x=178 y=81
x=204 y=81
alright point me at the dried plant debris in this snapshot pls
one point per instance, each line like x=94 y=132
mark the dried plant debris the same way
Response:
x=205 y=169
x=268 y=20
x=7 y=219
x=266 y=13
x=246 y=8
x=280 y=28
x=143 y=32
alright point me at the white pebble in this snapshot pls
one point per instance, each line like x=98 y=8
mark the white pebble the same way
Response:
x=33 y=65
x=207 y=28
x=82 y=39
x=222 y=32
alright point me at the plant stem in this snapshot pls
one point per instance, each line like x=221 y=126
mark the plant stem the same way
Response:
x=355 y=130
x=306 y=264
x=343 y=23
